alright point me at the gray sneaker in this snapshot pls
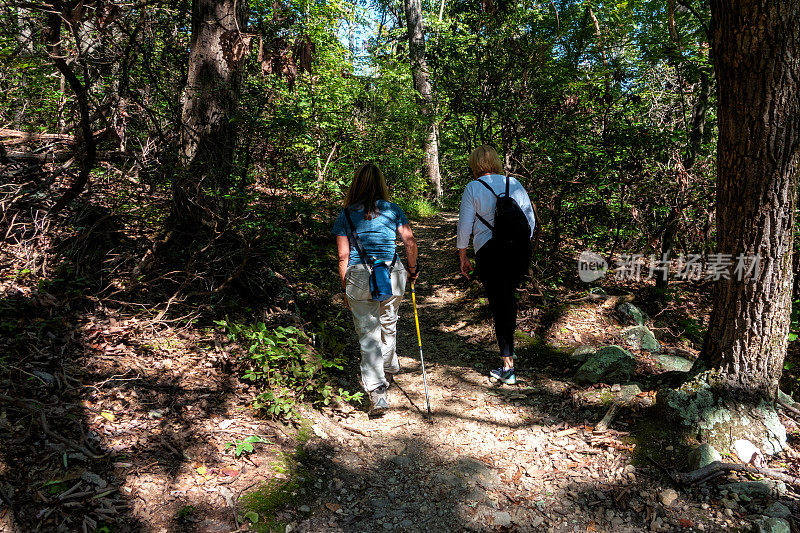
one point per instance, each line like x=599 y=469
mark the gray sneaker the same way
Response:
x=379 y=401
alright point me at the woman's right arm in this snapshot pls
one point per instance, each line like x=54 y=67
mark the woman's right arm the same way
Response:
x=466 y=221
x=343 y=247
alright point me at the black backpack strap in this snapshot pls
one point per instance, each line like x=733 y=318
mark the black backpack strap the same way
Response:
x=356 y=239
x=484 y=221
x=490 y=189
x=508 y=181
x=495 y=195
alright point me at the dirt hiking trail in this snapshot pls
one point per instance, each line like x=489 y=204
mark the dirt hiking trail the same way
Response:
x=144 y=417
x=508 y=458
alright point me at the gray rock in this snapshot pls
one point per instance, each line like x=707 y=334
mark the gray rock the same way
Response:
x=632 y=314
x=401 y=460
x=406 y=523
x=771 y=525
x=778 y=510
x=305 y=509
x=628 y=391
x=502 y=519
x=47 y=378
x=703 y=455
x=764 y=487
x=674 y=362
x=388 y=526
x=641 y=338
x=581 y=353
x=668 y=496
x=612 y=364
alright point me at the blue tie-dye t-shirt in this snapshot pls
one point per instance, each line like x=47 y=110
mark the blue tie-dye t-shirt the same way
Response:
x=377 y=235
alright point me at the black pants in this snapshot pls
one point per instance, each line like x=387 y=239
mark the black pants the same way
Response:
x=499 y=274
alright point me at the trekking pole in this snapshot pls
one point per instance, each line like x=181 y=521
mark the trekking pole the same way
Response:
x=421 y=360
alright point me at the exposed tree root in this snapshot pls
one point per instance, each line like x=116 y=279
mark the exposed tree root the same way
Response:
x=717 y=468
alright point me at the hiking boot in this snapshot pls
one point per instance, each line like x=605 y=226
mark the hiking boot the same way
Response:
x=505 y=375
x=379 y=401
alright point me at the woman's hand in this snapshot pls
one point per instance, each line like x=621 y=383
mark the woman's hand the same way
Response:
x=466 y=266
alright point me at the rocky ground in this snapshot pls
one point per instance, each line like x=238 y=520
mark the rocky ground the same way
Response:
x=157 y=419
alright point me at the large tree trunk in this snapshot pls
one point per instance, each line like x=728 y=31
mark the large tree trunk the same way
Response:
x=756 y=54
x=208 y=134
x=757 y=59
x=422 y=84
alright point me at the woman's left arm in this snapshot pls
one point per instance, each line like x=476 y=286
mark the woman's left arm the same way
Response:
x=410 y=242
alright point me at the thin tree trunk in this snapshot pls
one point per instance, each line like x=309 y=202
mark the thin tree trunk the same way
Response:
x=422 y=84
x=208 y=135
x=87 y=150
x=26 y=48
x=758 y=72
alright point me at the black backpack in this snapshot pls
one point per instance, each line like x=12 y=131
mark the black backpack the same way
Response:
x=511 y=228
x=511 y=233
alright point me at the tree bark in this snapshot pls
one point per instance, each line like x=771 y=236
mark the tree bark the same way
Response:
x=208 y=135
x=422 y=84
x=88 y=151
x=757 y=60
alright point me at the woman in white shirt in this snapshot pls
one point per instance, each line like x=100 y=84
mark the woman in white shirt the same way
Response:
x=499 y=270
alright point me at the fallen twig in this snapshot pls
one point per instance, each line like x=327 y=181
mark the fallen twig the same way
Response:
x=716 y=468
x=609 y=417
x=355 y=430
x=792 y=409
x=46 y=428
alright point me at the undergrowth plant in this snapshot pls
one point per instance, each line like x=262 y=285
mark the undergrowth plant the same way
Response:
x=285 y=366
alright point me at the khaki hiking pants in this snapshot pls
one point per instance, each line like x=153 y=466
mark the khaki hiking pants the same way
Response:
x=376 y=323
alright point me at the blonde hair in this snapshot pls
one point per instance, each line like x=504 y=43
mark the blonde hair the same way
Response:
x=368 y=186
x=484 y=159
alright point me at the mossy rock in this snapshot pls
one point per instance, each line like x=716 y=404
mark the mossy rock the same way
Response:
x=641 y=338
x=632 y=314
x=611 y=364
x=674 y=363
x=702 y=412
x=582 y=353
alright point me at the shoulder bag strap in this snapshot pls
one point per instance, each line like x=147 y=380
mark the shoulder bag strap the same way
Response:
x=356 y=239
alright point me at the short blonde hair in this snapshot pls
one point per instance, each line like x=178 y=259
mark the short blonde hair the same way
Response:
x=484 y=159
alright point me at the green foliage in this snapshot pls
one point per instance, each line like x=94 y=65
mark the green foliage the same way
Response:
x=418 y=208
x=187 y=511
x=794 y=327
x=260 y=505
x=693 y=330
x=285 y=367
x=242 y=446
